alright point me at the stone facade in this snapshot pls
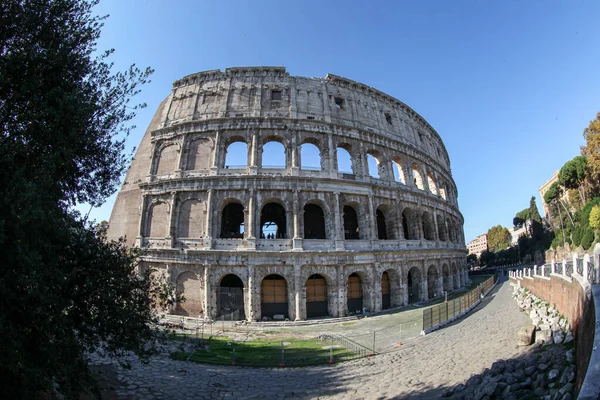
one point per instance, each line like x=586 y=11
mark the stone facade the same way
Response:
x=343 y=241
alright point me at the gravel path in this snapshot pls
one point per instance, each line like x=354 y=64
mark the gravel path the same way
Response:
x=422 y=368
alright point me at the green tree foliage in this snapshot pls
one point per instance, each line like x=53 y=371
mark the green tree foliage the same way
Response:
x=573 y=174
x=594 y=219
x=576 y=236
x=591 y=150
x=64 y=290
x=587 y=238
x=553 y=193
x=472 y=258
x=520 y=218
x=487 y=258
x=498 y=238
x=534 y=214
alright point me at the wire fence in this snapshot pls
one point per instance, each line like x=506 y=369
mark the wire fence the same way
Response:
x=440 y=313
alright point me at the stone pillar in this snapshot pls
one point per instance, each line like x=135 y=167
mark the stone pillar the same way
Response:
x=142 y=221
x=209 y=211
x=180 y=158
x=207 y=294
x=172 y=223
x=297 y=242
x=332 y=153
x=372 y=227
x=253 y=169
x=338 y=223
x=425 y=179
x=376 y=284
x=249 y=224
x=436 y=232
x=214 y=169
x=251 y=292
x=296 y=162
x=300 y=315
x=342 y=289
x=450 y=279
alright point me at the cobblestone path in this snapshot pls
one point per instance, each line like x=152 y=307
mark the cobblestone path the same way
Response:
x=422 y=368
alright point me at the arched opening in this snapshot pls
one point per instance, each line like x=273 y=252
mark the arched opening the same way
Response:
x=385 y=291
x=236 y=155
x=230 y=297
x=156 y=226
x=432 y=282
x=442 y=230
x=373 y=164
x=431 y=183
x=451 y=230
x=344 y=161
x=191 y=219
x=167 y=160
x=274 y=297
x=316 y=297
x=414 y=285
x=417 y=177
x=443 y=192
x=310 y=157
x=428 y=228
x=381 y=226
x=355 y=294
x=447 y=284
x=351 y=230
x=398 y=172
x=314 y=222
x=232 y=221
x=190 y=287
x=273 y=155
x=410 y=225
x=273 y=224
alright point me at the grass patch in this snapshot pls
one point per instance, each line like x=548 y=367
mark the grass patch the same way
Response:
x=476 y=280
x=263 y=352
x=349 y=323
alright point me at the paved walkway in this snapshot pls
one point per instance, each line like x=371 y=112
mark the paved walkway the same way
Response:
x=422 y=368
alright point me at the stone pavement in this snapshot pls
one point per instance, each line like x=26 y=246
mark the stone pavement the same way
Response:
x=421 y=368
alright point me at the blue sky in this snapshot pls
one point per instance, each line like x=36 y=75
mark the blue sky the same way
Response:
x=508 y=85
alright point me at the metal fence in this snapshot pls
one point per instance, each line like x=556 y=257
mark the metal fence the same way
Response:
x=584 y=268
x=440 y=313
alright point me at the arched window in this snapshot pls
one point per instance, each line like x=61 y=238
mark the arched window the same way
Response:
x=199 y=154
x=417 y=177
x=432 y=184
x=351 y=230
x=373 y=164
x=167 y=160
x=409 y=224
x=191 y=219
x=156 y=226
x=273 y=222
x=443 y=192
x=344 y=161
x=428 y=228
x=314 y=222
x=381 y=226
x=398 y=172
x=236 y=155
x=310 y=157
x=273 y=155
x=442 y=229
x=232 y=221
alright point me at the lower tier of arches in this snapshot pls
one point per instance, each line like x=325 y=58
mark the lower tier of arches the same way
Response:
x=305 y=291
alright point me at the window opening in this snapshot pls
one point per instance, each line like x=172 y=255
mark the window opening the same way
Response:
x=276 y=95
x=339 y=103
x=273 y=155
x=381 y=226
x=273 y=222
x=373 y=164
x=314 y=222
x=236 y=155
x=232 y=221
x=344 y=161
x=310 y=157
x=388 y=118
x=351 y=229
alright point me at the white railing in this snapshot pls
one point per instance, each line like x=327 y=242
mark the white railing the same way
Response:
x=583 y=268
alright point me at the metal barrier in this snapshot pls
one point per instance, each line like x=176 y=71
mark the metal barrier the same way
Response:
x=443 y=312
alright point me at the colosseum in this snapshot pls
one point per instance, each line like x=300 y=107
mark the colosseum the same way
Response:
x=264 y=196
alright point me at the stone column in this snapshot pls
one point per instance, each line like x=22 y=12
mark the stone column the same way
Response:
x=214 y=169
x=207 y=294
x=297 y=242
x=253 y=168
x=249 y=224
x=295 y=170
x=342 y=306
x=171 y=225
x=436 y=232
x=180 y=158
x=376 y=293
x=209 y=214
x=332 y=153
x=300 y=315
x=251 y=295
x=425 y=180
x=338 y=224
x=142 y=221
x=372 y=227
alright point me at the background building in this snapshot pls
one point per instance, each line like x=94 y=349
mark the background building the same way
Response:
x=478 y=245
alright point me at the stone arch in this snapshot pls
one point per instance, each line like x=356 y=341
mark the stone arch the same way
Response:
x=199 y=154
x=191 y=221
x=351 y=224
x=191 y=287
x=446 y=278
x=273 y=220
x=433 y=279
x=354 y=293
x=433 y=187
x=399 y=170
x=418 y=176
x=314 y=221
x=366 y=293
x=413 y=281
x=158 y=220
x=311 y=155
x=451 y=230
x=389 y=220
x=274 y=297
x=442 y=228
x=428 y=226
x=320 y=294
x=232 y=219
x=443 y=191
x=236 y=153
x=166 y=159
x=394 y=289
x=410 y=224
x=374 y=164
x=230 y=296
x=344 y=161
x=274 y=152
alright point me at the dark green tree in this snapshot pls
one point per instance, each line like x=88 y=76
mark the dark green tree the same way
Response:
x=520 y=218
x=573 y=174
x=64 y=115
